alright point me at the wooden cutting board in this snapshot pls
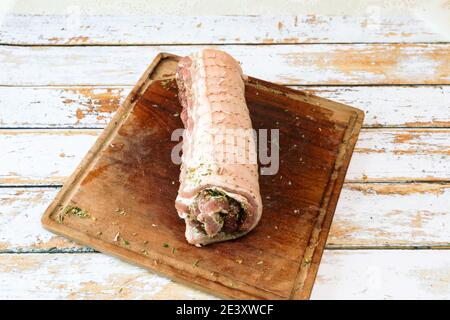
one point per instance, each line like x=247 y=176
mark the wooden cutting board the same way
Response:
x=120 y=200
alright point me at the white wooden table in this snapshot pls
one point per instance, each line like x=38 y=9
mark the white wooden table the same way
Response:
x=65 y=67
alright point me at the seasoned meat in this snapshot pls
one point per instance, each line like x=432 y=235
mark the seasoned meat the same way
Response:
x=218 y=198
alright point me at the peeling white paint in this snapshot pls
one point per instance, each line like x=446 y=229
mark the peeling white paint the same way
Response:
x=388 y=274
x=44 y=107
x=288 y=64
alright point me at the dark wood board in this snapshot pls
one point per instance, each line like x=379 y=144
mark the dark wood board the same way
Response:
x=127 y=184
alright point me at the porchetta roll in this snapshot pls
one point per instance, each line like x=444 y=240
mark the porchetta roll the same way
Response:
x=219 y=196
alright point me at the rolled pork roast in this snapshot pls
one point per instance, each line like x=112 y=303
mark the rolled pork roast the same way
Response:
x=219 y=196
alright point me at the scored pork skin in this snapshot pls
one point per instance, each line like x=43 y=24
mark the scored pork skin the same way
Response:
x=211 y=91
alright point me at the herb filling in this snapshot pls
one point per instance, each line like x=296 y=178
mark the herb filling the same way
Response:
x=213 y=211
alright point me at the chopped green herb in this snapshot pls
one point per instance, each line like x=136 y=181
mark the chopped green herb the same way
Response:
x=196 y=263
x=71 y=210
x=165 y=245
x=173 y=250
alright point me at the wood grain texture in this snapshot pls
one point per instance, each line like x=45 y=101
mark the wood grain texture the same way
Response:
x=300 y=64
x=231 y=7
x=71 y=107
x=243 y=21
x=389 y=274
x=385 y=214
x=343 y=274
x=367 y=215
x=371 y=26
x=401 y=155
x=20 y=228
x=93 y=107
x=380 y=155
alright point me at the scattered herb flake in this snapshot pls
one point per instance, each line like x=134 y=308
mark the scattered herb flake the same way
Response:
x=165 y=245
x=196 y=263
x=173 y=250
x=121 y=212
x=65 y=211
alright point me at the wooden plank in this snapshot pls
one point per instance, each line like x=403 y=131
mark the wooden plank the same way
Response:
x=361 y=274
x=392 y=215
x=300 y=64
x=401 y=155
x=51 y=154
x=380 y=155
x=394 y=106
x=388 y=274
x=370 y=27
x=232 y=7
x=367 y=215
x=20 y=228
x=47 y=107
x=93 y=107
x=248 y=21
